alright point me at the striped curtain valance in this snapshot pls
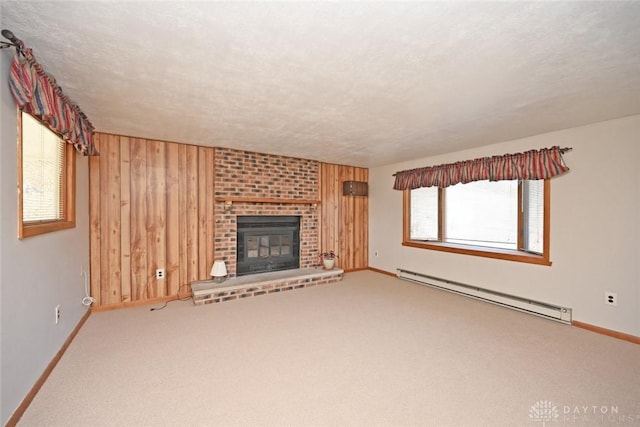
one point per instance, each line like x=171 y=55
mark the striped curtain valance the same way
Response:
x=530 y=165
x=38 y=94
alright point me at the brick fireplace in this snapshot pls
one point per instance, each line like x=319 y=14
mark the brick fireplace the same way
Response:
x=255 y=184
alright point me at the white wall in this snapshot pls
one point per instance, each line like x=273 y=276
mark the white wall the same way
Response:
x=37 y=273
x=595 y=238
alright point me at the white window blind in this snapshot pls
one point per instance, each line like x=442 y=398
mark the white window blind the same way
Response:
x=533 y=207
x=43 y=173
x=424 y=214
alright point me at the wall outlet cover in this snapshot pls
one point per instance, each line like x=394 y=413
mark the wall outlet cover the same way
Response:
x=611 y=298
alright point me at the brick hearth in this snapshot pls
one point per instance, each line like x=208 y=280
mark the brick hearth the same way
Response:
x=209 y=292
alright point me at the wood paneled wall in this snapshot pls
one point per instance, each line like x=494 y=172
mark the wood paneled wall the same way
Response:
x=344 y=219
x=151 y=207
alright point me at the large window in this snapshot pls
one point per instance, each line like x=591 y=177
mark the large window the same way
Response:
x=502 y=219
x=46 y=177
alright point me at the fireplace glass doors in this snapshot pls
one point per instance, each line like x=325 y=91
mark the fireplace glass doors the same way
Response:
x=267 y=243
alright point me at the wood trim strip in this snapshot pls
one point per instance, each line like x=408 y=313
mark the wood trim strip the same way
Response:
x=19 y=169
x=495 y=253
x=20 y=410
x=377 y=270
x=94 y=223
x=137 y=222
x=172 y=220
x=267 y=200
x=203 y=269
x=125 y=220
x=611 y=333
x=406 y=210
x=353 y=270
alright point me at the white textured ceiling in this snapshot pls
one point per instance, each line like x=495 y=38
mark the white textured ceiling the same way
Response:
x=354 y=83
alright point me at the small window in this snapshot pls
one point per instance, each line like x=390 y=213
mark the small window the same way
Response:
x=503 y=219
x=46 y=177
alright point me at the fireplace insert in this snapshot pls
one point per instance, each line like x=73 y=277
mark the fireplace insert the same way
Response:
x=267 y=243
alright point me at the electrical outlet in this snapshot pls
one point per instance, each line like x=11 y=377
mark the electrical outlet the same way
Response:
x=375 y=253
x=160 y=273
x=57 y=313
x=611 y=298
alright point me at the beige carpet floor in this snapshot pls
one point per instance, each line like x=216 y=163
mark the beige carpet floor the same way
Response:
x=368 y=351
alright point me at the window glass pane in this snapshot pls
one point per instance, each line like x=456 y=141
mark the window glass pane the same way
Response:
x=274 y=241
x=264 y=246
x=42 y=172
x=533 y=205
x=482 y=213
x=286 y=245
x=252 y=247
x=424 y=214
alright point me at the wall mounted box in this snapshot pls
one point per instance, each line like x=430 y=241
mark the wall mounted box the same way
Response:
x=355 y=188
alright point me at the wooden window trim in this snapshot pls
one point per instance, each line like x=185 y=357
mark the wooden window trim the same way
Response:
x=37 y=228
x=504 y=254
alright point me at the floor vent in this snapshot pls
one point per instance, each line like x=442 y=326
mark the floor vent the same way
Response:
x=543 y=309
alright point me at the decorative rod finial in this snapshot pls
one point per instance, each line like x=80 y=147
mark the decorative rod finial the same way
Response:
x=12 y=38
x=9 y=36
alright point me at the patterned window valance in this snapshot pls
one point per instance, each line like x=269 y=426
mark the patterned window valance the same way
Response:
x=530 y=165
x=38 y=94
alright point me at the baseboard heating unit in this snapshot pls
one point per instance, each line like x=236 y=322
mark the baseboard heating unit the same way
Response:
x=543 y=309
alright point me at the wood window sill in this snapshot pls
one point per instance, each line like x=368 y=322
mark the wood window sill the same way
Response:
x=505 y=254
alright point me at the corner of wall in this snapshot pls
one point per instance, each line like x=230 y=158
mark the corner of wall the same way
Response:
x=30 y=291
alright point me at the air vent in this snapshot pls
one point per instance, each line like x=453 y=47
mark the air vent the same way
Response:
x=355 y=188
